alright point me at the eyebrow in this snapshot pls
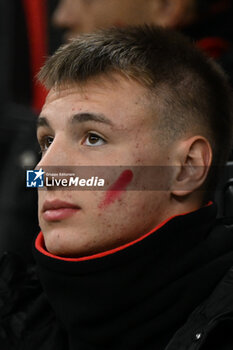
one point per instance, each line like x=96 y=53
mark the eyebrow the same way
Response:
x=42 y=121
x=78 y=118
x=86 y=117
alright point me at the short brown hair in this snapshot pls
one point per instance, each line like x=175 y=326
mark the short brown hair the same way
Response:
x=191 y=89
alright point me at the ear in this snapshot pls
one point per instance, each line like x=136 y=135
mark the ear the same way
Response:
x=194 y=157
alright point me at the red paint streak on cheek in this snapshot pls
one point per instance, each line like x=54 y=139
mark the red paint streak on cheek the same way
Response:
x=116 y=189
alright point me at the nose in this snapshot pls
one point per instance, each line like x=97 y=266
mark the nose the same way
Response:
x=65 y=15
x=56 y=160
x=57 y=154
x=60 y=14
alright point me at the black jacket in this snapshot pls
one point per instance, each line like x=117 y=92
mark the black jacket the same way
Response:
x=171 y=290
x=210 y=326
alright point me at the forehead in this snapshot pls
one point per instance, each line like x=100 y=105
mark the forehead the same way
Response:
x=114 y=84
x=119 y=98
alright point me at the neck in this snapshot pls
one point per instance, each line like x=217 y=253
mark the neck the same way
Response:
x=128 y=298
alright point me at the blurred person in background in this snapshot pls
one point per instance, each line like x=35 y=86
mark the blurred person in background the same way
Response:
x=208 y=22
x=79 y=16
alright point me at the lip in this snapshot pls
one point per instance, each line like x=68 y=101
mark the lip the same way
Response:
x=57 y=210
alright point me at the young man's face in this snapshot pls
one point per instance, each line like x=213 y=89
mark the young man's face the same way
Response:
x=125 y=135
x=82 y=16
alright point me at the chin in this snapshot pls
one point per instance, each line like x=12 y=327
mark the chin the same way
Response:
x=60 y=243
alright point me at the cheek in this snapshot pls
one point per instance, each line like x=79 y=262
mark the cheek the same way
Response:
x=117 y=188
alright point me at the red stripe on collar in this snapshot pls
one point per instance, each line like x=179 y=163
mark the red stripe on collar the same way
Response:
x=40 y=245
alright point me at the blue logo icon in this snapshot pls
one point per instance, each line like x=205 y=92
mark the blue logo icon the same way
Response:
x=35 y=178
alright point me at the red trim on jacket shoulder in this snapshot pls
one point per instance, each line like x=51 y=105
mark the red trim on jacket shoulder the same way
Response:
x=40 y=245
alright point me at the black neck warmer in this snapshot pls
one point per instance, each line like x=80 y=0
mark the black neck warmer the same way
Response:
x=136 y=297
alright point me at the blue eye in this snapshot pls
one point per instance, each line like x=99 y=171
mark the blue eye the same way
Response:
x=93 y=139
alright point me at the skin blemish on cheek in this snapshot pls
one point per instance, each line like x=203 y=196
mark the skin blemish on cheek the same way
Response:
x=117 y=188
